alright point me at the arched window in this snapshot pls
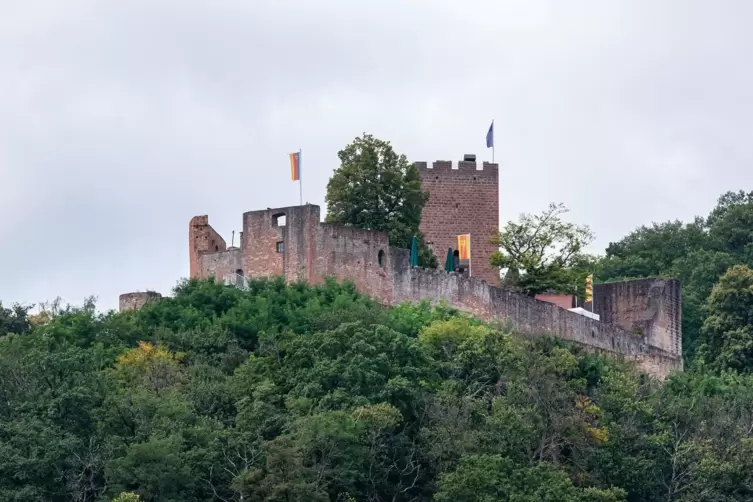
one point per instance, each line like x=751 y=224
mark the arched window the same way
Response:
x=380 y=258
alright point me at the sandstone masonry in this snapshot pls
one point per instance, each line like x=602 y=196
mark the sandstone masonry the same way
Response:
x=462 y=199
x=134 y=301
x=640 y=320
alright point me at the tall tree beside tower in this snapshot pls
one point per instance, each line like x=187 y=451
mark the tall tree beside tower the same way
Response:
x=377 y=189
x=544 y=253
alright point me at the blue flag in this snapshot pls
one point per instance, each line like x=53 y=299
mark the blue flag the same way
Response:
x=490 y=136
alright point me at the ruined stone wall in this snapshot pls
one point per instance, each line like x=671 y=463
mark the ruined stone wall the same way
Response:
x=202 y=238
x=262 y=230
x=649 y=307
x=524 y=314
x=312 y=251
x=463 y=200
x=656 y=363
x=222 y=263
x=354 y=254
x=134 y=301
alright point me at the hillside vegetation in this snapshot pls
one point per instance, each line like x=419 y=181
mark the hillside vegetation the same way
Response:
x=698 y=253
x=298 y=393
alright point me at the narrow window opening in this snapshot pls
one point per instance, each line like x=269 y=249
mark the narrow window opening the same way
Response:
x=280 y=246
x=217 y=248
x=279 y=220
x=380 y=258
x=239 y=272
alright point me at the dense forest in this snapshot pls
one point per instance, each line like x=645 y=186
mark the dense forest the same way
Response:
x=317 y=393
x=287 y=393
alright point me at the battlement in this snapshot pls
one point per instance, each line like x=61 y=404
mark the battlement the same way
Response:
x=456 y=165
x=292 y=242
x=458 y=170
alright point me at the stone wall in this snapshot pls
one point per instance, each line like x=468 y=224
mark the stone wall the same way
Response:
x=648 y=307
x=462 y=200
x=202 y=238
x=292 y=242
x=222 y=263
x=134 y=301
x=524 y=314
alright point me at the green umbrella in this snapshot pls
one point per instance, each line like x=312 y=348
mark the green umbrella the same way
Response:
x=414 y=252
x=449 y=263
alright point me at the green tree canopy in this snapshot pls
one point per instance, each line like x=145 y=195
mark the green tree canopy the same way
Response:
x=727 y=333
x=297 y=392
x=14 y=319
x=543 y=252
x=377 y=189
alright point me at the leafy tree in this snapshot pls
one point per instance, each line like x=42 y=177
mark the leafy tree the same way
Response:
x=652 y=250
x=730 y=224
x=127 y=497
x=545 y=251
x=727 y=333
x=294 y=392
x=495 y=478
x=377 y=189
x=14 y=319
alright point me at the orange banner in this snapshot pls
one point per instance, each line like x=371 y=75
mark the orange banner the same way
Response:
x=464 y=247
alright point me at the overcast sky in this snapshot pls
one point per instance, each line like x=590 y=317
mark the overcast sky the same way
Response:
x=119 y=121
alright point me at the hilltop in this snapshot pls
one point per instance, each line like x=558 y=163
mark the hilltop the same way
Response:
x=294 y=392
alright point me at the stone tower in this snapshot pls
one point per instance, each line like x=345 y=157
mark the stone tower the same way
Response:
x=462 y=199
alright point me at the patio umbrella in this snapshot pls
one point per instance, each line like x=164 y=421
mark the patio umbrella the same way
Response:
x=414 y=252
x=449 y=263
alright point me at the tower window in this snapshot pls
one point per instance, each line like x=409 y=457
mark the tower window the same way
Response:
x=280 y=246
x=279 y=220
x=380 y=258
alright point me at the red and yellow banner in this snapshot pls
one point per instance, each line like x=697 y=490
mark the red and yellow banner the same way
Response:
x=295 y=166
x=464 y=247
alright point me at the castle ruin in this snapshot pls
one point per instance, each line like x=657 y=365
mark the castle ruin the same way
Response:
x=639 y=320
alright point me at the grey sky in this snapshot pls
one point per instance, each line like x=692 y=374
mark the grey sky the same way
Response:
x=119 y=121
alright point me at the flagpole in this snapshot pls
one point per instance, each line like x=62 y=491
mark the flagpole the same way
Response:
x=300 y=175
